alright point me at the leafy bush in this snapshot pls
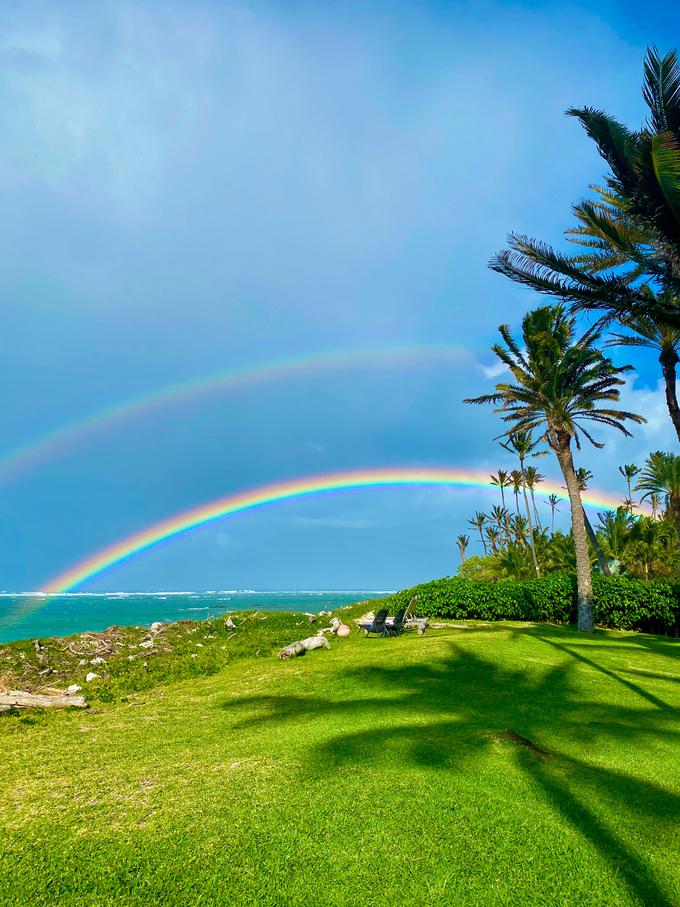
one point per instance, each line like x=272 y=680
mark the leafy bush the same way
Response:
x=619 y=602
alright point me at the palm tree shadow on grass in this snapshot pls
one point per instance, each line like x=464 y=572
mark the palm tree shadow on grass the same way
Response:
x=464 y=704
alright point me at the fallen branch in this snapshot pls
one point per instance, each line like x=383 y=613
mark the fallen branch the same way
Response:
x=17 y=699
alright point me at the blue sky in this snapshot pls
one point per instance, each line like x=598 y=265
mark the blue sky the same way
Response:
x=194 y=187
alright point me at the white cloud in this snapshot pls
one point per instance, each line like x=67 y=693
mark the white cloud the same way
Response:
x=493 y=371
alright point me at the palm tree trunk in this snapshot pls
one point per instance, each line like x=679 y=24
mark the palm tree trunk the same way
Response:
x=533 y=501
x=531 y=525
x=584 y=580
x=601 y=559
x=481 y=538
x=669 y=360
x=674 y=508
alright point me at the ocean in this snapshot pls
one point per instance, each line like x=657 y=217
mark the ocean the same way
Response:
x=31 y=615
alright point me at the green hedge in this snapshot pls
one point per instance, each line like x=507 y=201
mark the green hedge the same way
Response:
x=620 y=603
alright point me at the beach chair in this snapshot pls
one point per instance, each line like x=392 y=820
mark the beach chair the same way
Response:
x=378 y=625
x=396 y=627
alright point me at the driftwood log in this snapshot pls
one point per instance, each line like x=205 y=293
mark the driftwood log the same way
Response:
x=304 y=645
x=17 y=699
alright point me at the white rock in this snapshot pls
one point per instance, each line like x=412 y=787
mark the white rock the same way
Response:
x=74 y=688
x=147 y=644
x=156 y=626
x=90 y=677
x=97 y=661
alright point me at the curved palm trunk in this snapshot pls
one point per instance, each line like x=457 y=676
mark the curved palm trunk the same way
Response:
x=584 y=580
x=531 y=525
x=601 y=559
x=669 y=360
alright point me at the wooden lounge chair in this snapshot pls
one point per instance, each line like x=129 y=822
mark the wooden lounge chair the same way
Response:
x=378 y=625
x=396 y=627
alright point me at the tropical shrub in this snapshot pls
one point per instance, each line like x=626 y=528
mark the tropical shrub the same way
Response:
x=652 y=606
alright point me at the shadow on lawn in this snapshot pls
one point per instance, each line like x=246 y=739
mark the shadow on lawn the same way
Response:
x=464 y=704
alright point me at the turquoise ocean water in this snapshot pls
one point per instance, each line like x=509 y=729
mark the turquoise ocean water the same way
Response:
x=61 y=615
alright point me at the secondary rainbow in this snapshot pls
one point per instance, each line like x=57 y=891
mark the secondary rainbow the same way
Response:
x=45 y=447
x=282 y=491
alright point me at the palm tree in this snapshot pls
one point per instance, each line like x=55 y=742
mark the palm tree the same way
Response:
x=665 y=339
x=516 y=477
x=478 y=522
x=637 y=217
x=655 y=503
x=463 y=541
x=523 y=444
x=494 y=536
x=560 y=382
x=553 y=500
x=661 y=476
x=519 y=526
x=614 y=528
x=499 y=517
x=533 y=478
x=644 y=165
x=629 y=471
x=583 y=476
x=501 y=480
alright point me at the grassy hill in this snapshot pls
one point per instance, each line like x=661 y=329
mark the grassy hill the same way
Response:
x=493 y=764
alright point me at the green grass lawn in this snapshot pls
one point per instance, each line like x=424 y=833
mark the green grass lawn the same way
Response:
x=381 y=772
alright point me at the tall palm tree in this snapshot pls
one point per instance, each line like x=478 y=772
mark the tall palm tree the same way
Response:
x=478 y=522
x=553 y=501
x=661 y=475
x=463 y=541
x=583 y=476
x=655 y=504
x=523 y=444
x=516 y=477
x=501 y=479
x=494 y=536
x=629 y=471
x=559 y=383
x=533 y=478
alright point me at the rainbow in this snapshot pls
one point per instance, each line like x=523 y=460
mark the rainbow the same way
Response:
x=283 y=491
x=45 y=447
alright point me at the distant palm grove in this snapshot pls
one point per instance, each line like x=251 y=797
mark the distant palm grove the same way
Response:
x=561 y=387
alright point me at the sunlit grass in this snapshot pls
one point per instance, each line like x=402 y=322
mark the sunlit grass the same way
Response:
x=381 y=772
